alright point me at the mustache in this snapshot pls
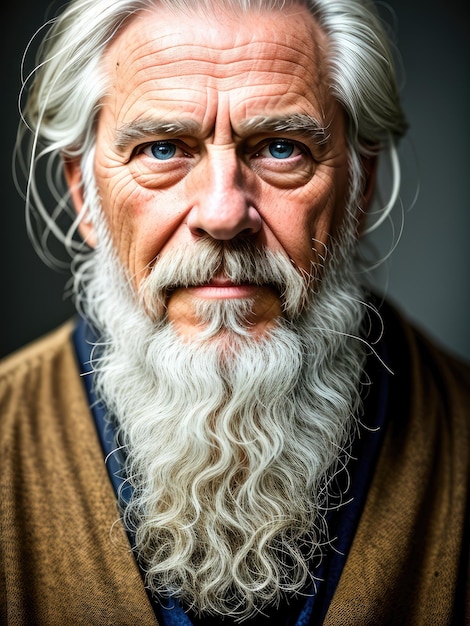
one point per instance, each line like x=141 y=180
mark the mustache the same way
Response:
x=241 y=261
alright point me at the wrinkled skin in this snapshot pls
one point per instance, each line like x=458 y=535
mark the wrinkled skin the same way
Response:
x=183 y=152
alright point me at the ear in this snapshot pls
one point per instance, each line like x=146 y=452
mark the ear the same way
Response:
x=73 y=177
x=369 y=164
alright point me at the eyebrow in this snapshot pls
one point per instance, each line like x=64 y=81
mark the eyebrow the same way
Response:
x=142 y=129
x=301 y=124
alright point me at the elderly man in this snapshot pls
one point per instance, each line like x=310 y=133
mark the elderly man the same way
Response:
x=235 y=430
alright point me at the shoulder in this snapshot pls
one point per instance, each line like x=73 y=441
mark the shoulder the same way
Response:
x=36 y=380
x=23 y=361
x=428 y=401
x=415 y=356
x=407 y=556
x=429 y=406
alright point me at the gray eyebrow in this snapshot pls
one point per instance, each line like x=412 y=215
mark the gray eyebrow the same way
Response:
x=143 y=129
x=298 y=123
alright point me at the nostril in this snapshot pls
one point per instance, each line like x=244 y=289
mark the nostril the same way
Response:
x=224 y=220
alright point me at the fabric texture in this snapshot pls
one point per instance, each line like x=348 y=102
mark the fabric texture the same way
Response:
x=65 y=557
x=408 y=564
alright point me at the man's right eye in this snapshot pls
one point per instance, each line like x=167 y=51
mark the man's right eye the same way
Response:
x=161 y=150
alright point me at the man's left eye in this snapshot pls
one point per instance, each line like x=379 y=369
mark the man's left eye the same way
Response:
x=161 y=150
x=279 y=149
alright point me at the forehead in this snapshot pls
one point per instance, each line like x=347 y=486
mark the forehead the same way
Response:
x=164 y=62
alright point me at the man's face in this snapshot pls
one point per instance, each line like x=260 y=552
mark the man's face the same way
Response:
x=212 y=127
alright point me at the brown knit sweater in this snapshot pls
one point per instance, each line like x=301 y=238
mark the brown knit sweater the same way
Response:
x=65 y=560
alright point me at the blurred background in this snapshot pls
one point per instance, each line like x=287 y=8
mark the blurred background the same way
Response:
x=427 y=275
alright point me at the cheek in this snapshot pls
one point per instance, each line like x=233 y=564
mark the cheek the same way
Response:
x=140 y=220
x=303 y=222
x=121 y=208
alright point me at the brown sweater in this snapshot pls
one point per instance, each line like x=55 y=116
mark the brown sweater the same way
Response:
x=65 y=560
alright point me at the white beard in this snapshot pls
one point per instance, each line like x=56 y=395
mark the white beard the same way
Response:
x=232 y=442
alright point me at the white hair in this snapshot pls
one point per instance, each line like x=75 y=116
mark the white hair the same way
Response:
x=65 y=89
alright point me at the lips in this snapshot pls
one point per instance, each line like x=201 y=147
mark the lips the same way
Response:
x=221 y=287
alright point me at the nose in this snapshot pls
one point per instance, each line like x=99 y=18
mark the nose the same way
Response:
x=223 y=207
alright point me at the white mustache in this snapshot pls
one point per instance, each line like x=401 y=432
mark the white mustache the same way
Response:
x=239 y=261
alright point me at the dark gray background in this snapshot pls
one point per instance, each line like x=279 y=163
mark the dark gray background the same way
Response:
x=428 y=273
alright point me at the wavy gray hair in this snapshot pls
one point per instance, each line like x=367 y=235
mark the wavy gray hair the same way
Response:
x=63 y=94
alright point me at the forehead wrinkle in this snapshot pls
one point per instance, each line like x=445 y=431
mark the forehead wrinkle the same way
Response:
x=152 y=67
x=218 y=74
x=220 y=51
x=217 y=62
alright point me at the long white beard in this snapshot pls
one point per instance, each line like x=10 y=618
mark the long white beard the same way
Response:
x=232 y=443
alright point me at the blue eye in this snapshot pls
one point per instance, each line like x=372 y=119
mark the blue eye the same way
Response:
x=163 y=150
x=281 y=149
